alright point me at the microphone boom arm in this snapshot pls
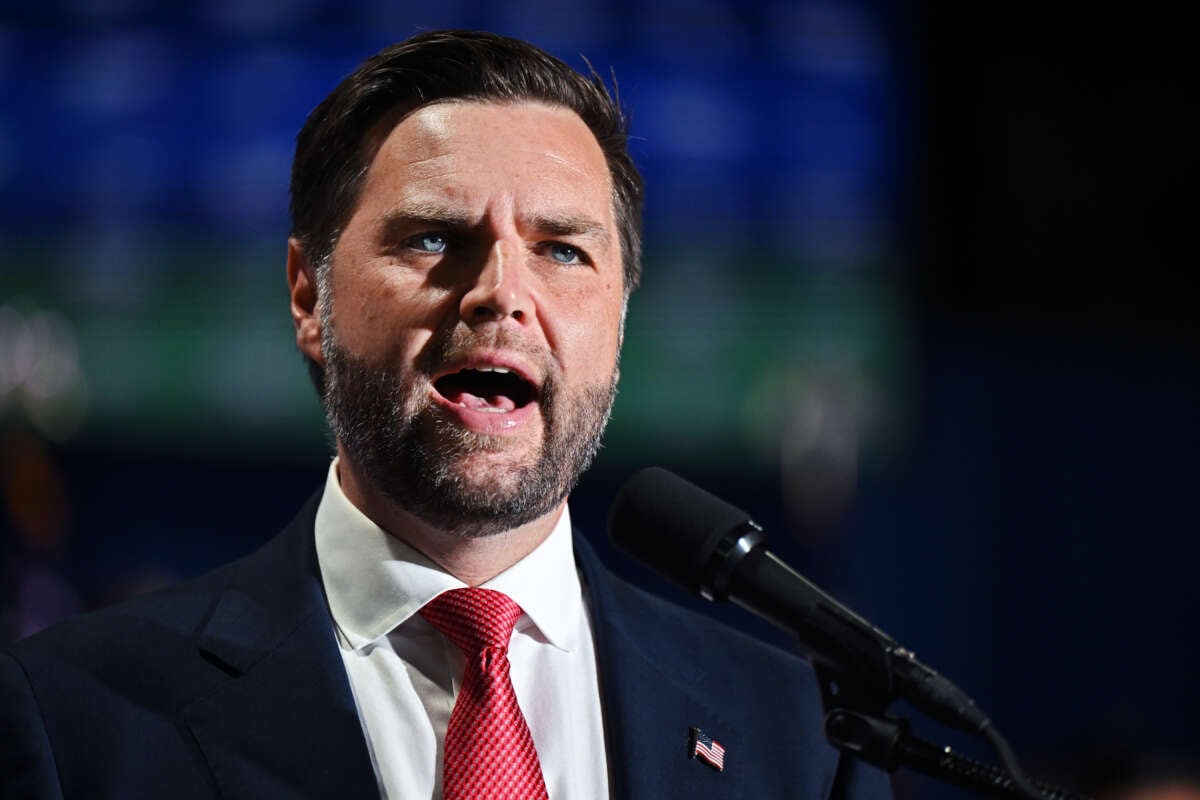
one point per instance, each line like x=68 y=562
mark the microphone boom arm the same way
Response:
x=828 y=633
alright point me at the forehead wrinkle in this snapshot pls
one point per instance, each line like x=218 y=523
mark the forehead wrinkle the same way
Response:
x=429 y=166
x=571 y=164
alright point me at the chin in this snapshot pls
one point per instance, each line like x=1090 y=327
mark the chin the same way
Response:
x=491 y=477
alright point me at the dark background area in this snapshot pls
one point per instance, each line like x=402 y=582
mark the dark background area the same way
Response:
x=1055 y=476
x=984 y=427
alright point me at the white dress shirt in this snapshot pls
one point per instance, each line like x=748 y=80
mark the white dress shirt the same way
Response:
x=405 y=675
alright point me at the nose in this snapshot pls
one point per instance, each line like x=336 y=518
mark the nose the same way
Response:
x=500 y=290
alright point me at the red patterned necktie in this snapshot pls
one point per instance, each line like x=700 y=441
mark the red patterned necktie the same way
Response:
x=489 y=750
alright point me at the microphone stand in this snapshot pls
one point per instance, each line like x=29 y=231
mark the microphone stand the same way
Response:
x=855 y=723
x=886 y=742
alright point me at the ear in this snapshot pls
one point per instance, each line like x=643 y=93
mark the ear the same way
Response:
x=302 y=288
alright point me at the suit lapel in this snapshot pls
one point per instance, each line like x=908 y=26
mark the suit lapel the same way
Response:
x=664 y=671
x=648 y=718
x=283 y=724
x=649 y=703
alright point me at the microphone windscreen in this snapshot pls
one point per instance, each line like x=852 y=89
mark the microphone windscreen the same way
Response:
x=671 y=525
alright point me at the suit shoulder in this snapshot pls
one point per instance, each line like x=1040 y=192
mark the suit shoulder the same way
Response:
x=706 y=628
x=130 y=647
x=173 y=614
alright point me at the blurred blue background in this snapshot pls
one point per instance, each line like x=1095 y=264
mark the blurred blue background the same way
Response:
x=917 y=294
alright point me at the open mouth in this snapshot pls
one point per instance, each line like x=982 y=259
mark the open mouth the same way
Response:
x=491 y=389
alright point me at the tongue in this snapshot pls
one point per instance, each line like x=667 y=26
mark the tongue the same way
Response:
x=496 y=402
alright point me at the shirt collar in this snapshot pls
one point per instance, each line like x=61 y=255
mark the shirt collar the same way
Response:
x=374 y=581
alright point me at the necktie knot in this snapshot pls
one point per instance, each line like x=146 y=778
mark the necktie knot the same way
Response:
x=474 y=619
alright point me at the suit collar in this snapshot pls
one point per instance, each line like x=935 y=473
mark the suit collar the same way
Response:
x=664 y=670
x=284 y=722
x=271 y=591
x=649 y=700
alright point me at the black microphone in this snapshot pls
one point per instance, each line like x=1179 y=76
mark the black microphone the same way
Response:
x=716 y=551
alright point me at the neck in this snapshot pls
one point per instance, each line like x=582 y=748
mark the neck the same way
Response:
x=472 y=559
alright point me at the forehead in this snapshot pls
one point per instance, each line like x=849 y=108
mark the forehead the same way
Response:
x=472 y=152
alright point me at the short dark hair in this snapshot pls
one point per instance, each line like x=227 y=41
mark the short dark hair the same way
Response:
x=333 y=153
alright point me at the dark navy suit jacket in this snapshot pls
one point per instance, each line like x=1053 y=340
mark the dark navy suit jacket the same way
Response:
x=232 y=686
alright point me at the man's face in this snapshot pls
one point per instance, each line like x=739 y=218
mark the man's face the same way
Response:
x=474 y=313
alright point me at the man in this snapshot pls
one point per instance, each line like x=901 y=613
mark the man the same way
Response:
x=466 y=232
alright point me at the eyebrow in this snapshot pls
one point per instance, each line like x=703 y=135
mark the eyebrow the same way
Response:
x=581 y=226
x=424 y=214
x=402 y=219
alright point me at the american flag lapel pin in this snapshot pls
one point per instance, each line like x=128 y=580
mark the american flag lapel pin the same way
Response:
x=703 y=747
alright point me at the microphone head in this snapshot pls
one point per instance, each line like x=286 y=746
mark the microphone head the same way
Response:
x=673 y=526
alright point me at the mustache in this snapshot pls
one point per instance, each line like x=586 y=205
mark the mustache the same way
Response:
x=449 y=344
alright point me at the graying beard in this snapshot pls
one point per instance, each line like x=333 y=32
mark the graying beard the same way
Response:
x=372 y=418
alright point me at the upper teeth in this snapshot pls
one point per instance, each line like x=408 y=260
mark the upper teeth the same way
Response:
x=493 y=369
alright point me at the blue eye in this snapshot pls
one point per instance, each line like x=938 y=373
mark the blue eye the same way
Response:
x=428 y=243
x=564 y=253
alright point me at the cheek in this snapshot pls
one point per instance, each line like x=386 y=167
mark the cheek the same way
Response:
x=387 y=318
x=589 y=332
